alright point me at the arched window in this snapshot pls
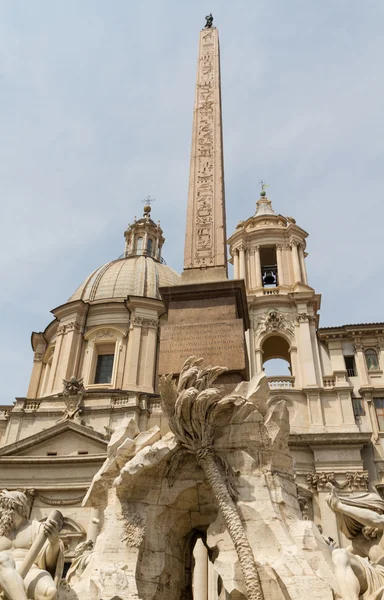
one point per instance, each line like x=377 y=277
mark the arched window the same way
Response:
x=149 y=247
x=371 y=359
x=276 y=357
x=139 y=246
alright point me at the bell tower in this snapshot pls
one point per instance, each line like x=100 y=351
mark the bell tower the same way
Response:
x=268 y=252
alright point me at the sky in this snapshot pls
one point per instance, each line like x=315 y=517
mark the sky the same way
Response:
x=96 y=103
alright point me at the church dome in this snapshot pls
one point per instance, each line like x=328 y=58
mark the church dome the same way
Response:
x=129 y=276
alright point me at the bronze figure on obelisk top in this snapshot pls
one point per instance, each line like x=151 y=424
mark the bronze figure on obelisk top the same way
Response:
x=205 y=256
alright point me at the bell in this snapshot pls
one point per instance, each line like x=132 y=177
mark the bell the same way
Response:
x=269 y=278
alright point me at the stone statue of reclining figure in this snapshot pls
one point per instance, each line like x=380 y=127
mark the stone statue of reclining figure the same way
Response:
x=24 y=575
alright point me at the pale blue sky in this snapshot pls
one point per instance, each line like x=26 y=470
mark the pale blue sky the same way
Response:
x=96 y=112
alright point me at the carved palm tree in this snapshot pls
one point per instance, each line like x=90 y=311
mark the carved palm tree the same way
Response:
x=193 y=407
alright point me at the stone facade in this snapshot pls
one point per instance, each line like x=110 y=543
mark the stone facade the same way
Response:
x=95 y=373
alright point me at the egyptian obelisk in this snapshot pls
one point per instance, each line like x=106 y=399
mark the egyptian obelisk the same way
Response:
x=207 y=314
x=205 y=257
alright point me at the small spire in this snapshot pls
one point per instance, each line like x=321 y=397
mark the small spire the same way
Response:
x=263 y=205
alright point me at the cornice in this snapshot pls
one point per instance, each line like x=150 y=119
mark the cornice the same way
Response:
x=54 y=460
x=329 y=439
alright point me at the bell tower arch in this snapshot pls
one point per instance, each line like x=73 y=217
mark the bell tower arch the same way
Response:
x=268 y=251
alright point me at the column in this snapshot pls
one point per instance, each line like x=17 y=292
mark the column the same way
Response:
x=242 y=262
x=133 y=353
x=150 y=354
x=302 y=264
x=361 y=365
x=258 y=360
x=145 y=243
x=132 y=249
x=372 y=415
x=279 y=258
x=295 y=367
x=259 y=281
x=252 y=269
x=56 y=357
x=36 y=373
x=306 y=352
x=212 y=582
x=200 y=572
x=236 y=263
x=296 y=263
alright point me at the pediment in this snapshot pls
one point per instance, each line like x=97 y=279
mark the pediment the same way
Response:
x=64 y=439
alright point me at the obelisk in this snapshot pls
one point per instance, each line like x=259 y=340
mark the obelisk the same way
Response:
x=205 y=255
x=207 y=314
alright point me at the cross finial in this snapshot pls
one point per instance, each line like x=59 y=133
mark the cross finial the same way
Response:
x=263 y=185
x=148 y=201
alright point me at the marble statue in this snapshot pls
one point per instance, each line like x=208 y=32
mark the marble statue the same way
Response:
x=359 y=569
x=31 y=554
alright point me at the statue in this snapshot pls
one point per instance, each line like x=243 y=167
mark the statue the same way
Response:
x=359 y=569
x=209 y=21
x=73 y=395
x=81 y=559
x=31 y=554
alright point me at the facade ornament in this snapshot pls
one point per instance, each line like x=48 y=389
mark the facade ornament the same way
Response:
x=354 y=481
x=61 y=329
x=192 y=423
x=37 y=356
x=104 y=333
x=274 y=320
x=357 y=345
x=73 y=326
x=60 y=501
x=73 y=395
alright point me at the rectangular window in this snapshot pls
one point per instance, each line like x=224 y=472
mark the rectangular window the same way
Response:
x=358 y=408
x=82 y=452
x=350 y=365
x=379 y=407
x=104 y=367
x=268 y=262
x=51 y=453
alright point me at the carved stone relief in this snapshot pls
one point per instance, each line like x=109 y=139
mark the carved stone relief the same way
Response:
x=274 y=320
x=204 y=182
x=354 y=481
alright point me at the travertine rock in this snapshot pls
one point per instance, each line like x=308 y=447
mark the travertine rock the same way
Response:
x=149 y=524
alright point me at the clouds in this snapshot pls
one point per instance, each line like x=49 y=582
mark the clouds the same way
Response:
x=96 y=113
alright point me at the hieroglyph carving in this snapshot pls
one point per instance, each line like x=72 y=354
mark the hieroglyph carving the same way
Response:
x=204 y=174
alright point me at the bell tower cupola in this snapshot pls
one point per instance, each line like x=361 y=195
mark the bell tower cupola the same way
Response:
x=268 y=251
x=144 y=237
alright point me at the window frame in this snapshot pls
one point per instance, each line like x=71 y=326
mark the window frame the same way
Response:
x=101 y=340
x=371 y=352
x=378 y=415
